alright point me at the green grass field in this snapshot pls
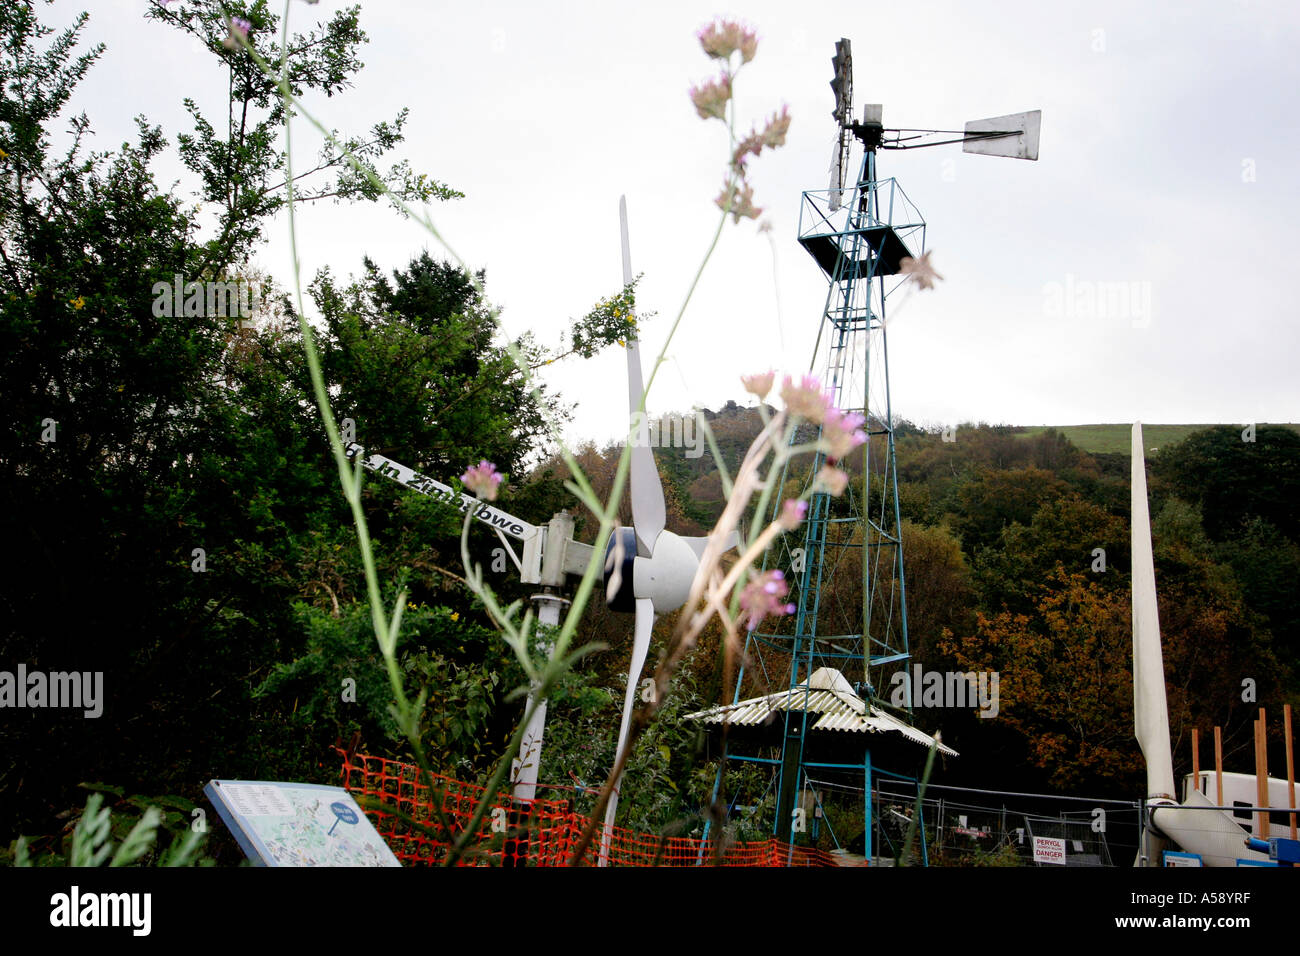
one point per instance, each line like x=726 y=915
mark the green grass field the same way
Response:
x=1116 y=438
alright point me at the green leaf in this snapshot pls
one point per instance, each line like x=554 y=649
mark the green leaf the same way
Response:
x=183 y=852
x=90 y=838
x=139 y=840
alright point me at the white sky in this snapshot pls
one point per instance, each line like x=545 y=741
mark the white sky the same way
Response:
x=1170 y=159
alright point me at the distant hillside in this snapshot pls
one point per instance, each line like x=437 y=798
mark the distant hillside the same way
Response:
x=1097 y=439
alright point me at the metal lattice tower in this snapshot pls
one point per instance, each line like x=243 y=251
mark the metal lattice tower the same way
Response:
x=846 y=571
x=828 y=663
x=859 y=237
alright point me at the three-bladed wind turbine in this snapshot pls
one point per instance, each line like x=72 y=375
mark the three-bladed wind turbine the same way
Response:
x=648 y=569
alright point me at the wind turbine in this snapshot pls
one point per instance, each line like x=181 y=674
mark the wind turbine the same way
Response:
x=648 y=569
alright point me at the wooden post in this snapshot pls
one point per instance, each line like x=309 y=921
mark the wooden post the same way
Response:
x=1196 y=761
x=1290 y=766
x=1218 y=766
x=1261 y=775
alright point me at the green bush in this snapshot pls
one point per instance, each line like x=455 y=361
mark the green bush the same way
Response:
x=132 y=837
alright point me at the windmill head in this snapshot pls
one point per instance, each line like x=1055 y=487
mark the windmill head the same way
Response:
x=1014 y=135
x=842 y=83
x=869 y=131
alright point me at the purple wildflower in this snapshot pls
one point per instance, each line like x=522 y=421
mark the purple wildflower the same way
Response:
x=711 y=98
x=806 y=400
x=759 y=383
x=483 y=480
x=765 y=595
x=842 y=432
x=792 y=514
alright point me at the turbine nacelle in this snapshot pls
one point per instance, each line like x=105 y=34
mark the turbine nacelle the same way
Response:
x=664 y=577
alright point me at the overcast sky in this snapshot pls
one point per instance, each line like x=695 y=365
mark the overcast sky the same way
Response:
x=1170 y=162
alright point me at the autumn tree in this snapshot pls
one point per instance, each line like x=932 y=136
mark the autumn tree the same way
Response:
x=1069 y=531
x=1065 y=685
x=1234 y=474
x=998 y=498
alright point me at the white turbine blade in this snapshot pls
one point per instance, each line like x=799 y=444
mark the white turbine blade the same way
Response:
x=699 y=544
x=1150 y=709
x=645 y=622
x=648 y=511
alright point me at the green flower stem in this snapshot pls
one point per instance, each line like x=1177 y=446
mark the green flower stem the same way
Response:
x=906 y=858
x=387 y=631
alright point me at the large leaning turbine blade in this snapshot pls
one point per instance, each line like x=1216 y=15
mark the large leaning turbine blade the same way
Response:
x=645 y=622
x=648 y=511
x=1150 y=710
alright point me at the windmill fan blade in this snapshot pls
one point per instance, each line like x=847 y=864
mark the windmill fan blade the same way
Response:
x=837 y=177
x=645 y=622
x=649 y=513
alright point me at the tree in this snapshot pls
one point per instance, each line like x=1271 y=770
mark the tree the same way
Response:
x=999 y=498
x=1070 y=532
x=418 y=365
x=1267 y=565
x=1232 y=478
x=237 y=156
x=940 y=595
x=152 y=512
x=1063 y=682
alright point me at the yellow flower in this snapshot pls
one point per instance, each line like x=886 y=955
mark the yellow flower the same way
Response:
x=3 y=154
x=77 y=303
x=455 y=615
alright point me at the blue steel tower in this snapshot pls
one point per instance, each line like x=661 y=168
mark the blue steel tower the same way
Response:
x=846 y=571
x=826 y=668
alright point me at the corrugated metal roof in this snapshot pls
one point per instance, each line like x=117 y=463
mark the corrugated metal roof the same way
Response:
x=827 y=693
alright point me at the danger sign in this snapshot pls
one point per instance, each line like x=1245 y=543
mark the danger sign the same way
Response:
x=1049 y=850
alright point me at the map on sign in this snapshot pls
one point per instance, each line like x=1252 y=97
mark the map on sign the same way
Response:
x=298 y=824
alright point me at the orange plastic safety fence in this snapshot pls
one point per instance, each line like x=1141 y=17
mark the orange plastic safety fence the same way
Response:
x=524 y=833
